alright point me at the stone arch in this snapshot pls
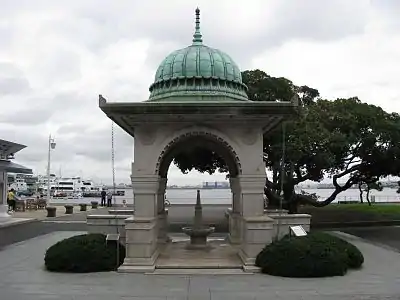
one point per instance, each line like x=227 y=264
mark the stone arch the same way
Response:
x=213 y=140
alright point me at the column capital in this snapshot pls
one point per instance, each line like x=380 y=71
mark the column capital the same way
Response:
x=252 y=183
x=145 y=184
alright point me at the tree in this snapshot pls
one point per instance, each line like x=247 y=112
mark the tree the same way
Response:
x=345 y=140
x=348 y=141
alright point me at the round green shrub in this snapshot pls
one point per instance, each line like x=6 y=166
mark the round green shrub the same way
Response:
x=354 y=257
x=84 y=253
x=315 y=255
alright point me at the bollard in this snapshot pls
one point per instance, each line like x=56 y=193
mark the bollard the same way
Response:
x=69 y=209
x=51 y=211
x=83 y=206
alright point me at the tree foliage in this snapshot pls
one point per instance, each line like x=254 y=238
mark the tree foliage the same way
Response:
x=346 y=140
x=350 y=142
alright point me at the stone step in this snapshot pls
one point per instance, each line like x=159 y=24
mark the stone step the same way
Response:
x=197 y=266
x=185 y=271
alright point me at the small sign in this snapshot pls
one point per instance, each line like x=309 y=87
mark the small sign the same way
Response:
x=297 y=230
x=112 y=237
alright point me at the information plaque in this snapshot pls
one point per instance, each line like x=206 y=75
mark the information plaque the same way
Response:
x=297 y=230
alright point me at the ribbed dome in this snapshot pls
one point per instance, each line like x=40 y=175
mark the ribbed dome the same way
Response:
x=198 y=70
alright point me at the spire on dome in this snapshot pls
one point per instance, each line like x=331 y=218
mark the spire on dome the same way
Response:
x=197 y=37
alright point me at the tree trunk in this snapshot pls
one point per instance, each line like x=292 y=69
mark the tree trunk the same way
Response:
x=275 y=176
x=369 y=202
x=361 y=192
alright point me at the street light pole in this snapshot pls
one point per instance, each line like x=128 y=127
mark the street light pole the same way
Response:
x=52 y=145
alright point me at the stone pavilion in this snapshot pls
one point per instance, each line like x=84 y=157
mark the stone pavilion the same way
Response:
x=7 y=154
x=198 y=99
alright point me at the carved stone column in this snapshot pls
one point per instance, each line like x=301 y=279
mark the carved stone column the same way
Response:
x=256 y=228
x=3 y=197
x=162 y=213
x=141 y=229
x=234 y=214
x=252 y=188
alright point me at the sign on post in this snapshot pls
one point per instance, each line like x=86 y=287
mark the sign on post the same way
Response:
x=297 y=230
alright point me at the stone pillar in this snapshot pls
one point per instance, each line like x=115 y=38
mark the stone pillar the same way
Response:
x=141 y=229
x=234 y=214
x=3 y=196
x=252 y=188
x=162 y=213
x=256 y=228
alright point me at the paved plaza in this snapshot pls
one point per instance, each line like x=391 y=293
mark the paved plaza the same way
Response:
x=22 y=277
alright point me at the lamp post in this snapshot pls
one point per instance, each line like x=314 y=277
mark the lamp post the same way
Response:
x=52 y=145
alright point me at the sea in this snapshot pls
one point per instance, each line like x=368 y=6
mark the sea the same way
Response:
x=224 y=196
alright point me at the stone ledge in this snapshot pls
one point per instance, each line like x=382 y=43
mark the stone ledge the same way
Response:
x=121 y=212
x=136 y=269
x=258 y=219
x=289 y=216
x=134 y=219
x=107 y=217
x=178 y=271
x=251 y=269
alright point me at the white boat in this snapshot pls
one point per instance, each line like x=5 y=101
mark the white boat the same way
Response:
x=75 y=196
x=89 y=188
x=69 y=187
x=19 y=184
x=42 y=183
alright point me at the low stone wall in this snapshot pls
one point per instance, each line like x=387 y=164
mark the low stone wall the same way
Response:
x=121 y=211
x=285 y=220
x=107 y=224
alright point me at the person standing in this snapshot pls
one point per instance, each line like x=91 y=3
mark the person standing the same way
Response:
x=103 y=198
x=109 y=198
x=11 y=201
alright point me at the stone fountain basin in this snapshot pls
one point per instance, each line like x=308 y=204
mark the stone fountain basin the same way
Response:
x=198 y=232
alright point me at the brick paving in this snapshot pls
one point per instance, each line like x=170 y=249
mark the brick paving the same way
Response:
x=22 y=277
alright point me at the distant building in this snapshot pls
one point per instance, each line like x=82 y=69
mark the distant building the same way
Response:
x=215 y=185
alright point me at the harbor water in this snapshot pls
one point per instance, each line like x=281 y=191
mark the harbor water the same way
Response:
x=224 y=196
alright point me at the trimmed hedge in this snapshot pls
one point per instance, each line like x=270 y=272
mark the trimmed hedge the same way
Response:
x=315 y=255
x=84 y=253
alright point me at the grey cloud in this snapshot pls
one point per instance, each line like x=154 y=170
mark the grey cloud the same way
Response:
x=26 y=116
x=71 y=128
x=387 y=5
x=96 y=144
x=92 y=145
x=96 y=26
x=319 y=20
x=390 y=10
x=12 y=79
x=13 y=86
x=58 y=65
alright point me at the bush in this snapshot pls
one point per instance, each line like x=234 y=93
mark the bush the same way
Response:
x=315 y=255
x=83 y=254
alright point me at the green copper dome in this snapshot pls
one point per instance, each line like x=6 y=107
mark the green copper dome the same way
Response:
x=198 y=72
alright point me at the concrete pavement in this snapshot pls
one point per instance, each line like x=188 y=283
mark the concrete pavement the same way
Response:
x=22 y=277
x=384 y=235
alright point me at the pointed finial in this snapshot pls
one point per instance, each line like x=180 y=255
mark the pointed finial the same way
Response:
x=198 y=201
x=197 y=37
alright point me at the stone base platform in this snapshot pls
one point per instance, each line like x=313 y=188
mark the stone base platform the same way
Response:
x=219 y=255
x=199 y=272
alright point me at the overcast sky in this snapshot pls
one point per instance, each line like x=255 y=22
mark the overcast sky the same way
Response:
x=57 y=56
